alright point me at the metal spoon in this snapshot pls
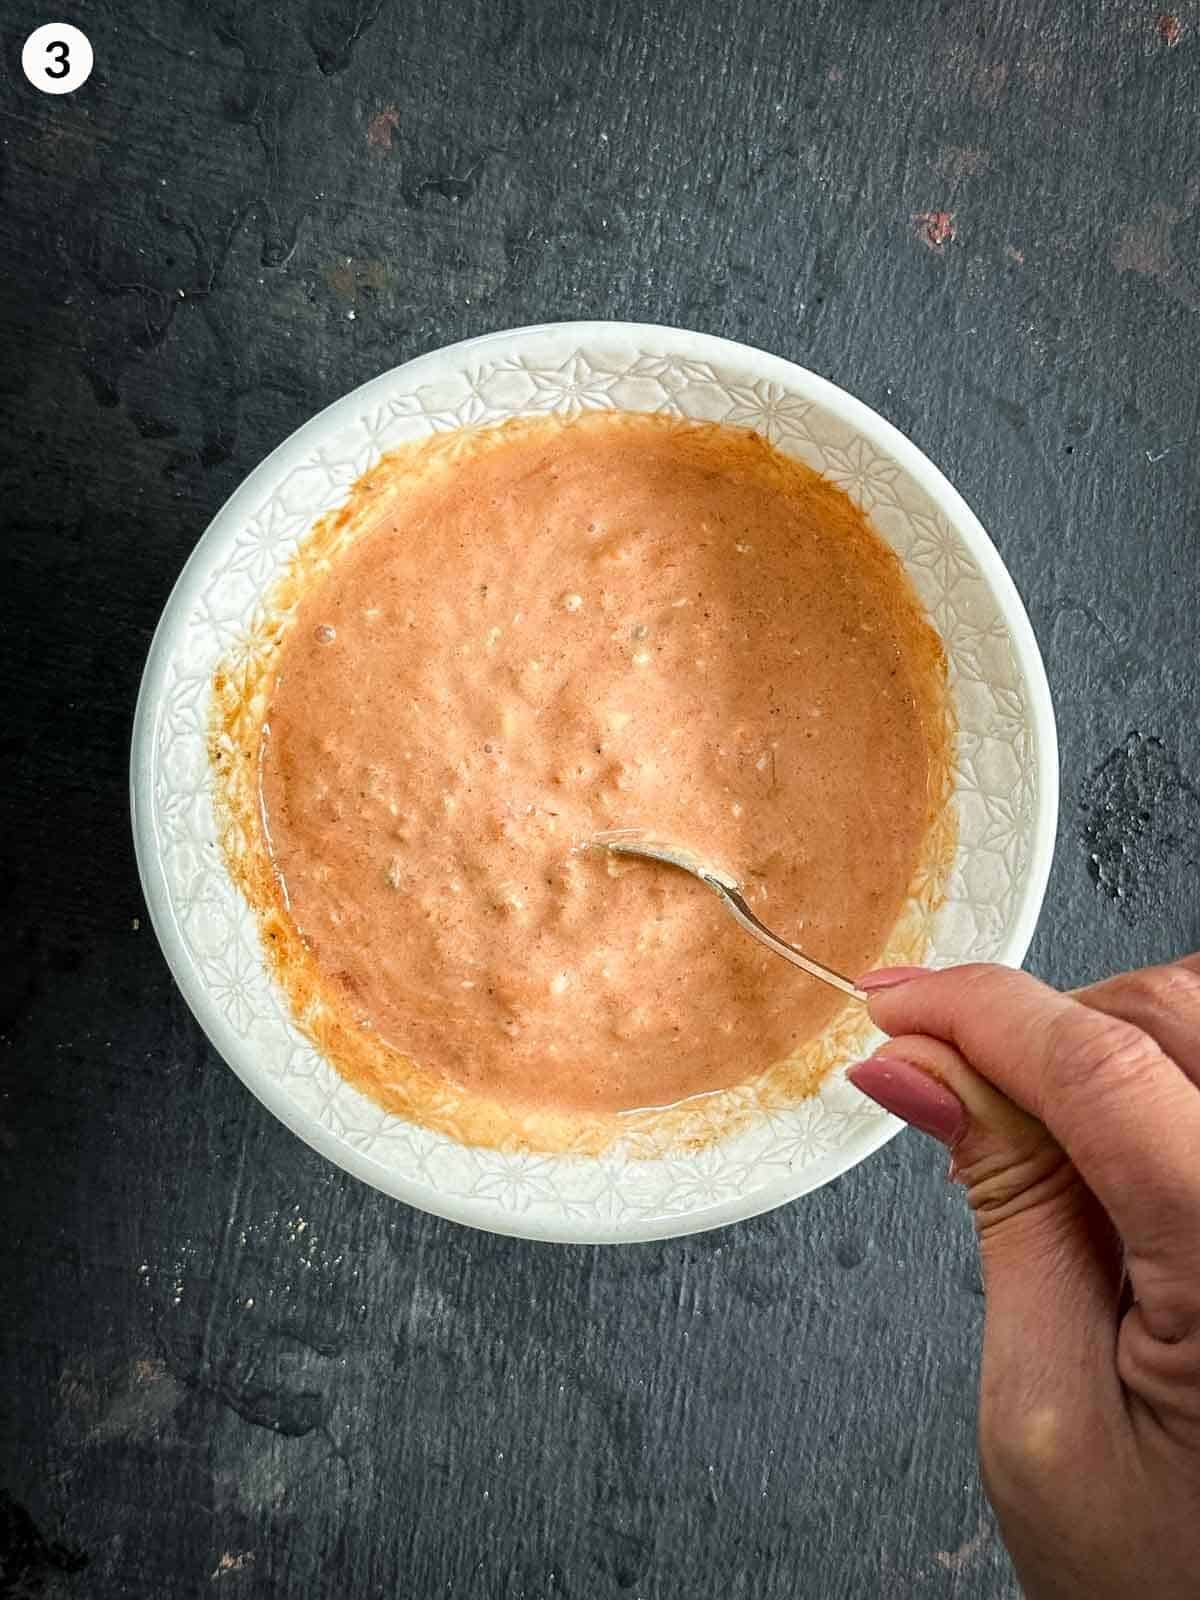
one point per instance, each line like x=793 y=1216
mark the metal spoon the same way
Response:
x=633 y=842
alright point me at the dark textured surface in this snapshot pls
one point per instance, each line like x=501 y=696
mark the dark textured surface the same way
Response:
x=228 y=1366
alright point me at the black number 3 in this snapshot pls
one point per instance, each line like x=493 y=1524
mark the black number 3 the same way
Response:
x=63 y=59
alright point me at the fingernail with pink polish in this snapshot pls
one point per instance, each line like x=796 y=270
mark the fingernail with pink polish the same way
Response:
x=890 y=977
x=912 y=1095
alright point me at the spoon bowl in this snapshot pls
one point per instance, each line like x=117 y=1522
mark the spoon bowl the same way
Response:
x=633 y=842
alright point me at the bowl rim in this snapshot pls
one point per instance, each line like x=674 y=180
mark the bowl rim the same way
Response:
x=244 y=501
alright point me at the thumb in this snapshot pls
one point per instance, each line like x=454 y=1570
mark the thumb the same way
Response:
x=1004 y=1157
x=1051 y=1260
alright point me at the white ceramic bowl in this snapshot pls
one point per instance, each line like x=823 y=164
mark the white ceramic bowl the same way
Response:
x=1006 y=785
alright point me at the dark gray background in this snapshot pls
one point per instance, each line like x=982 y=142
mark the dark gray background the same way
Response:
x=228 y=1367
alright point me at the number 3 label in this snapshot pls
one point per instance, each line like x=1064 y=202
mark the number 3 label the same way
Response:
x=57 y=58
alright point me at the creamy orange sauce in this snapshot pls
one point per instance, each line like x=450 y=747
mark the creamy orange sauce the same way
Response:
x=503 y=647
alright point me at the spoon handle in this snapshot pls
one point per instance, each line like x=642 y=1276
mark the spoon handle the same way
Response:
x=763 y=934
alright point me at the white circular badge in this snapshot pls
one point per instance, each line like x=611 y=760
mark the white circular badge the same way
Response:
x=57 y=58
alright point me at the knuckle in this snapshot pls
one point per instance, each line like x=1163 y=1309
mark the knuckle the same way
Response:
x=1158 y=1352
x=1022 y=1447
x=1164 y=988
x=1095 y=1055
x=1024 y=1182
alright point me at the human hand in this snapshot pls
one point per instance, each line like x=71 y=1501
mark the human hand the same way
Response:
x=1074 y=1122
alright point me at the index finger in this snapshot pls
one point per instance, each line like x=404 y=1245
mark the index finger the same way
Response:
x=1125 y=1113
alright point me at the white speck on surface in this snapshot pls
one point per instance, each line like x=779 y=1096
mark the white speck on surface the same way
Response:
x=1155 y=456
x=350 y=316
x=736 y=809
x=136 y=923
x=559 y=982
x=960 y=1560
x=572 y=602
